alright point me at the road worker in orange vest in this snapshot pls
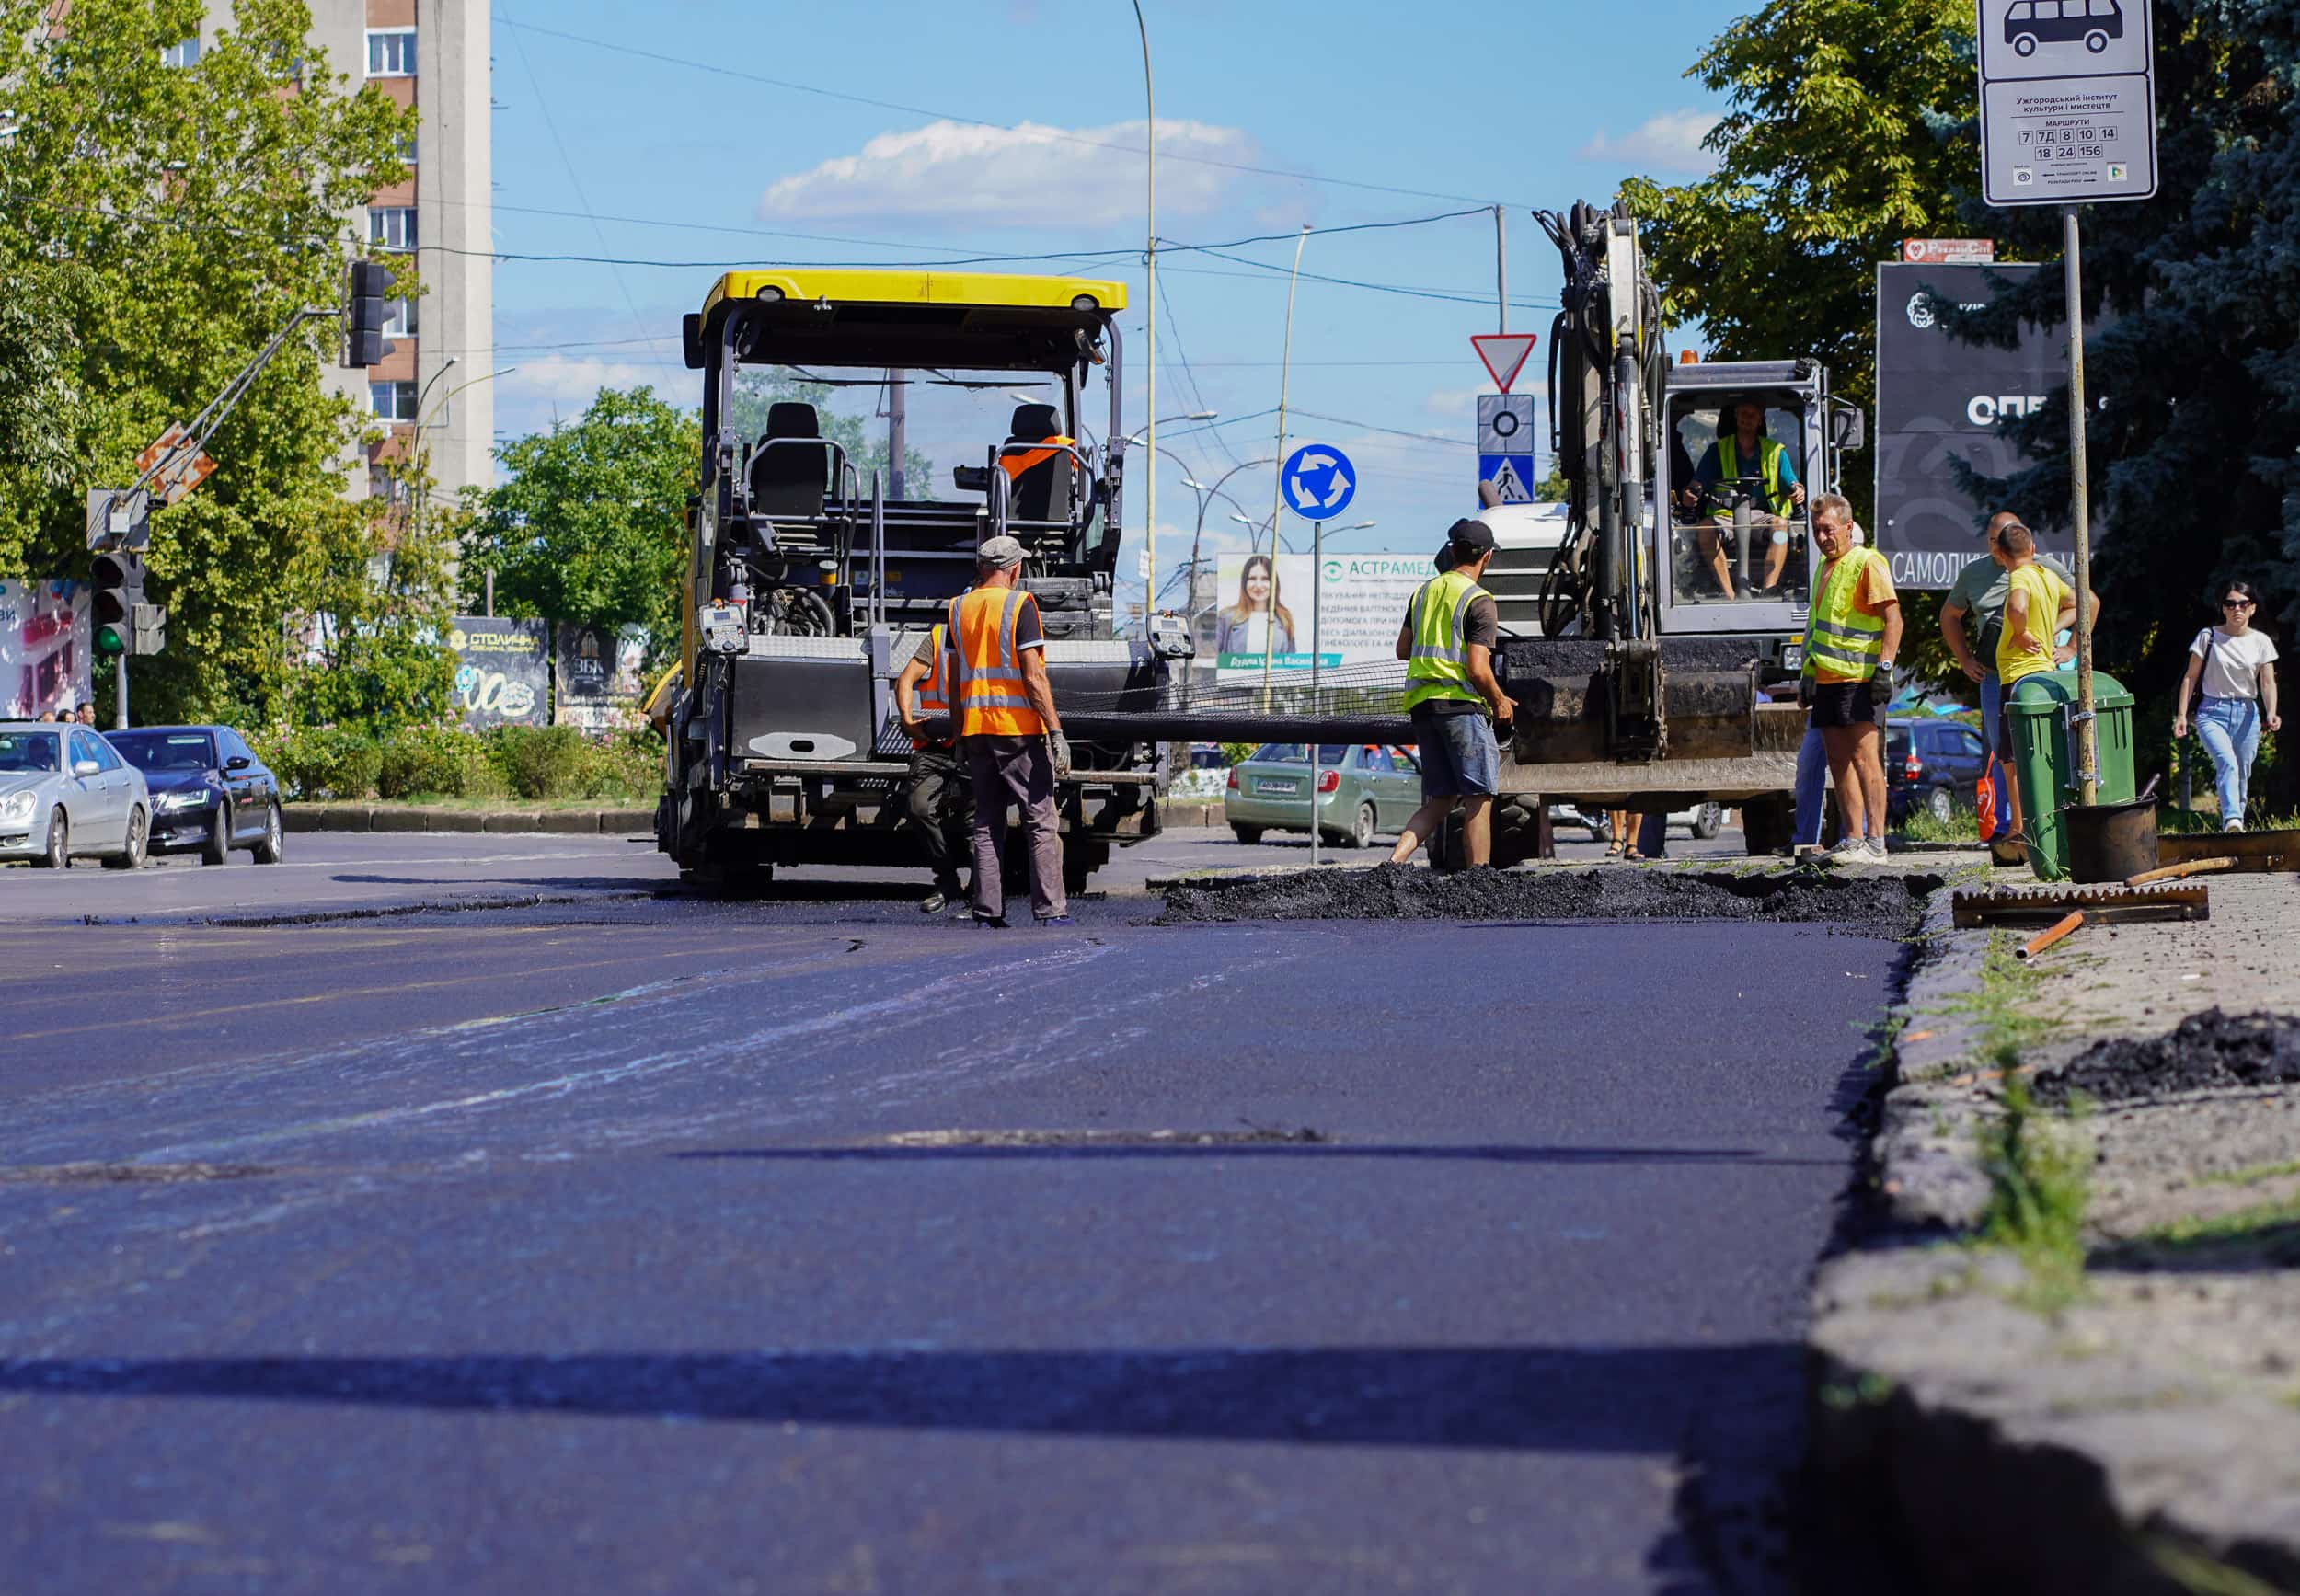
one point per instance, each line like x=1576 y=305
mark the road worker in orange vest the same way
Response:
x=941 y=800
x=1008 y=731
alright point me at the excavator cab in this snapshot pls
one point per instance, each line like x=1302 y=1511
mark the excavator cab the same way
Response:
x=1739 y=551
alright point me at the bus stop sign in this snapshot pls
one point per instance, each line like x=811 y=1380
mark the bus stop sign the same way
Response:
x=2068 y=102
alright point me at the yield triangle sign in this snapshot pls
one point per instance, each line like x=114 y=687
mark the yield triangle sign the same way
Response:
x=1504 y=353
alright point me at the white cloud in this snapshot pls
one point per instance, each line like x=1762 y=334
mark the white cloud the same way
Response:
x=569 y=381
x=1031 y=174
x=1452 y=402
x=1670 y=143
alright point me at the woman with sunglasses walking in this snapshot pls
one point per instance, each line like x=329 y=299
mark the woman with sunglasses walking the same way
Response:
x=2237 y=667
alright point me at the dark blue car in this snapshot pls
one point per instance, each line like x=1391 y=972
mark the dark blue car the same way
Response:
x=210 y=793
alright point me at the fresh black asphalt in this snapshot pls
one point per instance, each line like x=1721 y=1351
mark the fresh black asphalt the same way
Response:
x=638 y=1244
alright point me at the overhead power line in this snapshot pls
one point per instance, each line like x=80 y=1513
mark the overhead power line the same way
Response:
x=618 y=46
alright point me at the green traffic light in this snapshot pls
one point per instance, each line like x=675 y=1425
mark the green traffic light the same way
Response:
x=109 y=640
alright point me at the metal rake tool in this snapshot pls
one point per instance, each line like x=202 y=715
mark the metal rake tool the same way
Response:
x=2100 y=904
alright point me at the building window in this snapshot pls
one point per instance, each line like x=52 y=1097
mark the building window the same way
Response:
x=391 y=52
x=399 y=318
x=391 y=226
x=392 y=401
x=184 y=54
x=384 y=483
x=406 y=151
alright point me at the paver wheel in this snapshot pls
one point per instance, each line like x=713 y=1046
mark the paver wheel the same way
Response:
x=274 y=844
x=218 y=850
x=59 y=853
x=131 y=855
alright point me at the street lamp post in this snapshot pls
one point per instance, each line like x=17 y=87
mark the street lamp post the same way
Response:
x=421 y=449
x=1149 y=434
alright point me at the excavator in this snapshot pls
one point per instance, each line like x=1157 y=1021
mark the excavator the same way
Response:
x=1664 y=674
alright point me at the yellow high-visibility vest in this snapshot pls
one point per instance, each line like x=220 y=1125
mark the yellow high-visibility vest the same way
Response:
x=1439 y=667
x=1842 y=642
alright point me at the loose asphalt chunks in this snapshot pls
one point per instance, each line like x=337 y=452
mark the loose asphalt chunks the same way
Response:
x=2209 y=1051
x=1865 y=902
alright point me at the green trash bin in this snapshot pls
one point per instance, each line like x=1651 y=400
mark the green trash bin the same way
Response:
x=2037 y=712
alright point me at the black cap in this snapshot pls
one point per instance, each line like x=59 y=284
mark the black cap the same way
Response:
x=1468 y=538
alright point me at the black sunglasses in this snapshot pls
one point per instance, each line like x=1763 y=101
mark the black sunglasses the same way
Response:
x=2236 y=604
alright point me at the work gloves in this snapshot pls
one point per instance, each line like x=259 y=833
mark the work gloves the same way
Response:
x=1058 y=750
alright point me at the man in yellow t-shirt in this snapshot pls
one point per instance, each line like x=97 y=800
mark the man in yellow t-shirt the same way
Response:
x=2037 y=605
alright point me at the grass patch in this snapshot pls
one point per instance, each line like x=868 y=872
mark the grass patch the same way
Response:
x=1922 y=830
x=2252 y=1174
x=2263 y=1222
x=2036 y=1167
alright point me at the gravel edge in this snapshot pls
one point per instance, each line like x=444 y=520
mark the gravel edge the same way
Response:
x=1958 y=1485
x=613 y=822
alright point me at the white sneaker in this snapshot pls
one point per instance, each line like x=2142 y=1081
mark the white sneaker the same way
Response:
x=1851 y=850
x=2233 y=826
x=1876 y=851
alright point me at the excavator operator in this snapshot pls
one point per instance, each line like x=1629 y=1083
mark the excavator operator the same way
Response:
x=1744 y=450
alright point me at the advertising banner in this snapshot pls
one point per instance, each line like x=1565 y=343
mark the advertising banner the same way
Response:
x=1941 y=399
x=1263 y=605
x=45 y=649
x=598 y=683
x=503 y=670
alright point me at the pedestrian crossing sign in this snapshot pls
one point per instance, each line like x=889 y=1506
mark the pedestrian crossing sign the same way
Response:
x=1510 y=476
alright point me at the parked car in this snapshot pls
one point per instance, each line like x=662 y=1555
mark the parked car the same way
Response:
x=209 y=791
x=1362 y=790
x=1933 y=765
x=64 y=794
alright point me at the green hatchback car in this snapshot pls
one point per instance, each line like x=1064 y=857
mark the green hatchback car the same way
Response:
x=1362 y=790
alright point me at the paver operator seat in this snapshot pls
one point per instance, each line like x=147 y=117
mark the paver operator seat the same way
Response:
x=787 y=480
x=1043 y=479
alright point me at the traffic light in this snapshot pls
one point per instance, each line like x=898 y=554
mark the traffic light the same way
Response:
x=371 y=282
x=150 y=625
x=118 y=576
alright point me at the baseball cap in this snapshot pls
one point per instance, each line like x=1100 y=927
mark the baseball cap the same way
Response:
x=1467 y=537
x=1000 y=554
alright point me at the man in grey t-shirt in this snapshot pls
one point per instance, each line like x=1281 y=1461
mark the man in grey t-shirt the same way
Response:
x=1972 y=618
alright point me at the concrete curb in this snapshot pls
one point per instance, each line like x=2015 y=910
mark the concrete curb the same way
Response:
x=615 y=823
x=1967 y=1433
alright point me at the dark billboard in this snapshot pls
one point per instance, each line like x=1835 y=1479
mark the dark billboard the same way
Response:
x=503 y=670
x=1939 y=399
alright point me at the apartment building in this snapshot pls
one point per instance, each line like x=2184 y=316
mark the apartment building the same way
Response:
x=431 y=54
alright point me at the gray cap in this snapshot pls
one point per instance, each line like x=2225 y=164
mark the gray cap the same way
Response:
x=1001 y=554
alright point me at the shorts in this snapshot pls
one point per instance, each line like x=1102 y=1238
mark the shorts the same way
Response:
x=1459 y=755
x=1848 y=704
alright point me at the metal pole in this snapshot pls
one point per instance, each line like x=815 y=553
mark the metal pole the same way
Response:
x=2079 y=513
x=120 y=685
x=898 y=440
x=1277 y=480
x=490 y=611
x=1500 y=271
x=1317 y=554
x=1150 y=354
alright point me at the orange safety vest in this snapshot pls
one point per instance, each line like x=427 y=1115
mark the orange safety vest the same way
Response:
x=1016 y=465
x=934 y=695
x=986 y=667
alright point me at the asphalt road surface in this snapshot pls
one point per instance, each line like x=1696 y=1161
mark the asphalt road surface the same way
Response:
x=621 y=1242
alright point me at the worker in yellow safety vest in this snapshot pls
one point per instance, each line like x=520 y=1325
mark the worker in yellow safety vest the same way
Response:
x=1008 y=731
x=1852 y=635
x=1452 y=629
x=940 y=800
x=1743 y=449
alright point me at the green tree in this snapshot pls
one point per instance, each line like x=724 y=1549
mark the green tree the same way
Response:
x=163 y=222
x=2193 y=442
x=1846 y=134
x=588 y=525
x=866 y=444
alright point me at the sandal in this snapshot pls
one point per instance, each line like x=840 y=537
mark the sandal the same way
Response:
x=1613 y=850
x=1632 y=856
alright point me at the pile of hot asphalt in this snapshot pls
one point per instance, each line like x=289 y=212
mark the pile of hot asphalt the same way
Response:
x=1867 y=902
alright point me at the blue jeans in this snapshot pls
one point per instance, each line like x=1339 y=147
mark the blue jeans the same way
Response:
x=2230 y=731
x=1993 y=733
x=1813 y=789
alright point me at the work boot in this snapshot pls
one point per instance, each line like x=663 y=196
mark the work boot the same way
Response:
x=991 y=922
x=1056 y=919
x=945 y=894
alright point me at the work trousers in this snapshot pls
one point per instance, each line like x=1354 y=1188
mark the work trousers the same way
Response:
x=1017 y=770
x=942 y=807
x=2230 y=731
x=1993 y=733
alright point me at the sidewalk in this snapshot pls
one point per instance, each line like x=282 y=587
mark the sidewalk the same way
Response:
x=2104 y=1397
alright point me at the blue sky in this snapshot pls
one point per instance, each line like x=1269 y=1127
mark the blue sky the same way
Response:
x=600 y=150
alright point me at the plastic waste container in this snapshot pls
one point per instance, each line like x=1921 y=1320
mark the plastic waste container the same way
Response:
x=2039 y=718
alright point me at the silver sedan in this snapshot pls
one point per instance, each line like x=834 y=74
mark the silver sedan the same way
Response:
x=66 y=793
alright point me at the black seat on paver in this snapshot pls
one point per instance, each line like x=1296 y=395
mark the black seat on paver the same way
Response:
x=1035 y=497
x=786 y=481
